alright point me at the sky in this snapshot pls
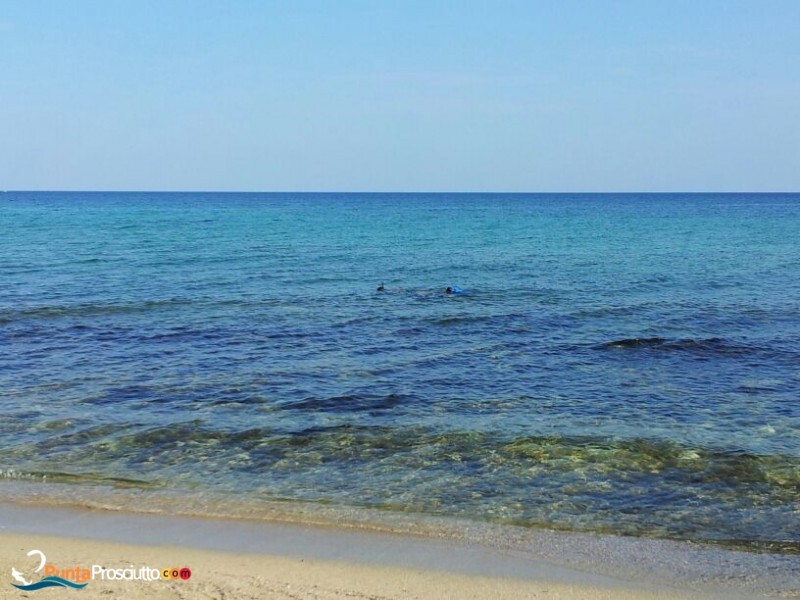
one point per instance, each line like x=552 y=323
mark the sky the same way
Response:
x=341 y=95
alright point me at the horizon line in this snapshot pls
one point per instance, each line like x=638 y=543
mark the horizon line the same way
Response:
x=387 y=192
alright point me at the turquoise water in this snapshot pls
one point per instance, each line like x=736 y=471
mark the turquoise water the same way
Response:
x=622 y=363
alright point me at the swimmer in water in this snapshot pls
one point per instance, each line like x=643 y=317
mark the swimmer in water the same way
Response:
x=449 y=290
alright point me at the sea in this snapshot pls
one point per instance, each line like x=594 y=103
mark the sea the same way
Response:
x=612 y=363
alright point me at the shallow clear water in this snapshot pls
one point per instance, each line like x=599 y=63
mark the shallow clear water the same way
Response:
x=622 y=363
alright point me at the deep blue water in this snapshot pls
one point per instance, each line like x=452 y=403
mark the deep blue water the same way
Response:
x=625 y=363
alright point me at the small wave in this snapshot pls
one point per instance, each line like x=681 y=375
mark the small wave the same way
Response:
x=286 y=334
x=84 y=436
x=348 y=403
x=505 y=320
x=708 y=345
x=459 y=320
x=91 y=309
x=186 y=333
x=608 y=311
x=73 y=478
x=635 y=343
x=181 y=434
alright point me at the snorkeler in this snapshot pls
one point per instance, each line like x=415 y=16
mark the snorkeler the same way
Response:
x=449 y=290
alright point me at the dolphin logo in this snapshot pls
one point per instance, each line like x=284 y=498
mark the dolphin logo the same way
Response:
x=19 y=576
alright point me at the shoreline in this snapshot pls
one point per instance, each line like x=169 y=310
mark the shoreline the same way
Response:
x=120 y=497
x=586 y=564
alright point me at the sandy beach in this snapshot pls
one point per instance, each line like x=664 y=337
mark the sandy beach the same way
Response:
x=233 y=575
x=241 y=559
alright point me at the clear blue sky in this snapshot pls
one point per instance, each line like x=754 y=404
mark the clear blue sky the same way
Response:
x=561 y=95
